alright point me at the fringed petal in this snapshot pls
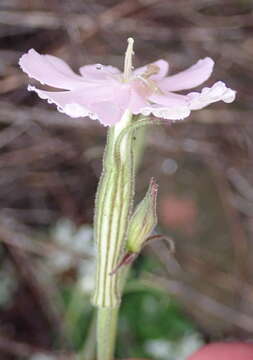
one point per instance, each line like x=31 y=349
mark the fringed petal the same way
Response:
x=218 y=92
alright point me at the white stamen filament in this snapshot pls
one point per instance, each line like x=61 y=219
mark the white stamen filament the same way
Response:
x=128 y=59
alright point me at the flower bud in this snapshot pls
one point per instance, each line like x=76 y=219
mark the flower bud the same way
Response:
x=143 y=220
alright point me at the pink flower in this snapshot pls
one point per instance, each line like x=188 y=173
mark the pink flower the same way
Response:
x=105 y=93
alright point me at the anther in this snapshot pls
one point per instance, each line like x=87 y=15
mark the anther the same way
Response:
x=152 y=69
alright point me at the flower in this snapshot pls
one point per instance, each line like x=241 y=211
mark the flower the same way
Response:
x=105 y=93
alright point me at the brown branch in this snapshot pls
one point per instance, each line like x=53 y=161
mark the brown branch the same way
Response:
x=191 y=297
x=13 y=347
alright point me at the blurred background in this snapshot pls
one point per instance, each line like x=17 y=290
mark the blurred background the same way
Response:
x=50 y=166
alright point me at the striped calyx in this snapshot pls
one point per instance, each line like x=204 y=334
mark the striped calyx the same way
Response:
x=143 y=220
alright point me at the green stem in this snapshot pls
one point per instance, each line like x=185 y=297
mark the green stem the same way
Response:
x=89 y=347
x=112 y=211
x=106 y=332
x=113 y=208
x=113 y=205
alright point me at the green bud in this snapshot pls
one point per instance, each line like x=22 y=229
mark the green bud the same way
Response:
x=143 y=220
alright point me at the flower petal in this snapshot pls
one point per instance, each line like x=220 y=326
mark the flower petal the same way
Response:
x=163 y=66
x=98 y=72
x=189 y=78
x=107 y=113
x=110 y=111
x=172 y=106
x=61 y=65
x=218 y=92
x=50 y=70
x=169 y=99
x=137 y=102
x=166 y=112
x=94 y=68
x=139 y=96
x=66 y=102
x=98 y=102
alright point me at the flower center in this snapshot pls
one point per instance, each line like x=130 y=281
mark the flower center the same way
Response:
x=152 y=69
x=145 y=85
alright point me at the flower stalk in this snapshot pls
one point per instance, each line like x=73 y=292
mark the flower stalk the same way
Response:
x=106 y=332
x=113 y=208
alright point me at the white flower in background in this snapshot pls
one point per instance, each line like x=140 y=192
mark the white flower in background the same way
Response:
x=187 y=345
x=174 y=350
x=86 y=275
x=159 y=348
x=76 y=239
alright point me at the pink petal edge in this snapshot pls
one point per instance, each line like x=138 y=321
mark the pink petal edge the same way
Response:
x=50 y=70
x=189 y=78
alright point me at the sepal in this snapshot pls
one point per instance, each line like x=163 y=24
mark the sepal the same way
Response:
x=143 y=220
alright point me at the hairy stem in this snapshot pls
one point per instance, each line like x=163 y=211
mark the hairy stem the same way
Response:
x=106 y=332
x=112 y=211
x=113 y=208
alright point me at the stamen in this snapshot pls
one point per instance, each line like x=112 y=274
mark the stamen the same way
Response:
x=152 y=69
x=128 y=59
x=149 y=83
